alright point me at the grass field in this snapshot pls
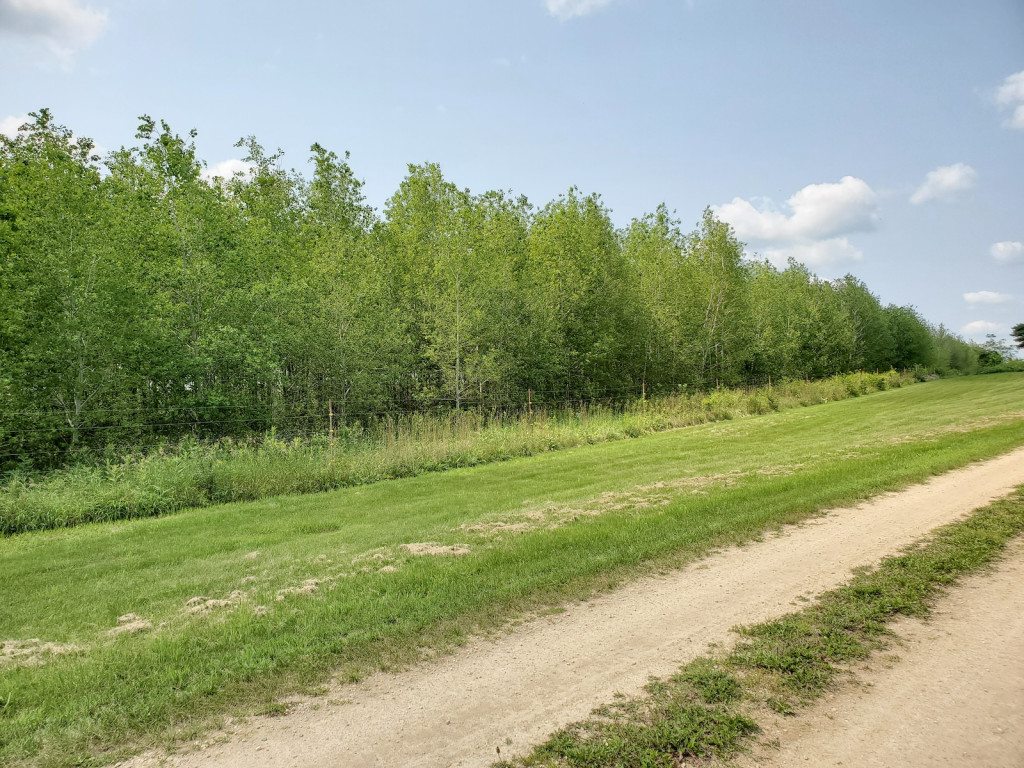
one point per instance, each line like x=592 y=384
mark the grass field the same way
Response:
x=160 y=626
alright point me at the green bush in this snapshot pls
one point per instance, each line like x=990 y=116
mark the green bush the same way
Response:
x=1008 y=366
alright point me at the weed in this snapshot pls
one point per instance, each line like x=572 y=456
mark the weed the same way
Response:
x=713 y=685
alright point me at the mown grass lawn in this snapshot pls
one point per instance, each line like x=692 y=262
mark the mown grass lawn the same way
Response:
x=304 y=586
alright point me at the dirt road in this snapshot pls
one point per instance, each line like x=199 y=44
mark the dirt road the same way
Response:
x=506 y=694
x=952 y=696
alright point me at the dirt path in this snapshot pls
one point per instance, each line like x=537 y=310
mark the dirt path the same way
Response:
x=955 y=697
x=511 y=692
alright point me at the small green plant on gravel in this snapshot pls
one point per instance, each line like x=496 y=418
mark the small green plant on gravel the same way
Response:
x=715 y=686
x=672 y=723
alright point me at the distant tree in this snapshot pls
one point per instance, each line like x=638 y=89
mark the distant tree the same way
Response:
x=455 y=258
x=872 y=347
x=579 y=297
x=989 y=357
x=912 y=341
x=655 y=250
x=953 y=353
x=1018 y=334
x=720 y=282
x=994 y=350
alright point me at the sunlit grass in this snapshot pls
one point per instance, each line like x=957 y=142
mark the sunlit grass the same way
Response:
x=539 y=531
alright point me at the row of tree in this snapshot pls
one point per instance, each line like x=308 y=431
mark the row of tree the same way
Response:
x=140 y=300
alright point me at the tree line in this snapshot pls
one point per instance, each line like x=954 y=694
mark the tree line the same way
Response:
x=141 y=301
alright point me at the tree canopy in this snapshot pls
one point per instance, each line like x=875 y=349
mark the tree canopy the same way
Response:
x=141 y=300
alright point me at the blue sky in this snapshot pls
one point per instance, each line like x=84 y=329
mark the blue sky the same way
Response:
x=880 y=138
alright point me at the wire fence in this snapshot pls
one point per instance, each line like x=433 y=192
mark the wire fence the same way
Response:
x=44 y=439
x=414 y=404
x=55 y=433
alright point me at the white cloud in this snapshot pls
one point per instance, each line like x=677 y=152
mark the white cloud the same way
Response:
x=986 y=297
x=1007 y=252
x=944 y=182
x=823 y=253
x=567 y=9
x=9 y=125
x=1017 y=118
x=227 y=169
x=980 y=327
x=819 y=212
x=64 y=25
x=811 y=224
x=1012 y=90
x=1011 y=95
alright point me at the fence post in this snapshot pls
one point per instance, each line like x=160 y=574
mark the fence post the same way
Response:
x=330 y=420
x=529 y=402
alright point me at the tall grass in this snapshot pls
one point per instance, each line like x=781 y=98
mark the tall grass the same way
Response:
x=194 y=474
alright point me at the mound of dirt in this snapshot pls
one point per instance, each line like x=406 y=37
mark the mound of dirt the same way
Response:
x=432 y=548
x=201 y=604
x=130 y=624
x=308 y=587
x=32 y=652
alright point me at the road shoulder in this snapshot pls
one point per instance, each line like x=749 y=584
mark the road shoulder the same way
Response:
x=950 y=692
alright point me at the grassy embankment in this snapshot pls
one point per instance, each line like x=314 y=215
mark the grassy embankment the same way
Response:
x=300 y=587
x=197 y=475
x=709 y=706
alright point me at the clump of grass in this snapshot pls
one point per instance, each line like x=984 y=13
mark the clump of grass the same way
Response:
x=194 y=474
x=714 y=685
x=672 y=722
x=707 y=708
